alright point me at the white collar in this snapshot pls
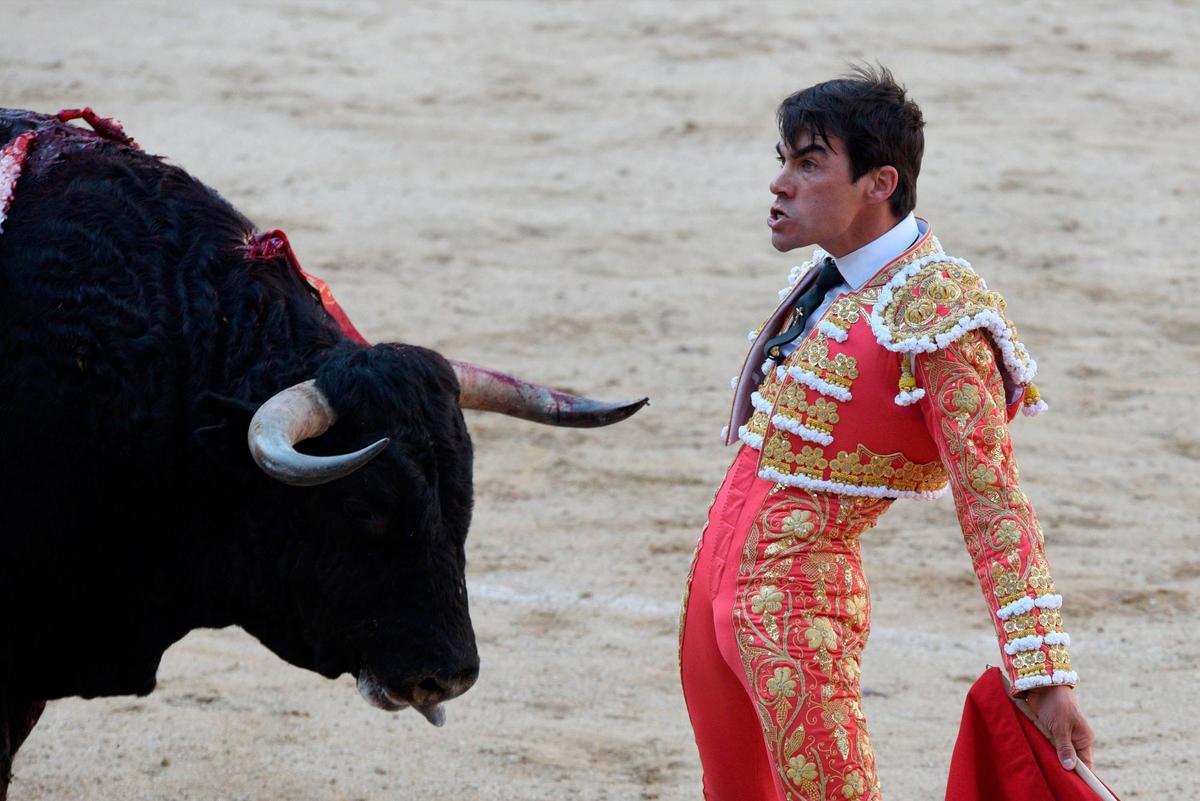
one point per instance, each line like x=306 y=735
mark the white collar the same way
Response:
x=861 y=265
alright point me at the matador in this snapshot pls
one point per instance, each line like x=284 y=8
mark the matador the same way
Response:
x=889 y=370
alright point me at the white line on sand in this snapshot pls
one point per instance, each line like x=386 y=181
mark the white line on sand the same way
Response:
x=632 y=605
x=904 y=638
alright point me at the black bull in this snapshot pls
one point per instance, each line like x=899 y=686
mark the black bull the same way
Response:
x=139 y=339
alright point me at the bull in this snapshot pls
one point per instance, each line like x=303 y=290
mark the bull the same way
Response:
x=193 y=436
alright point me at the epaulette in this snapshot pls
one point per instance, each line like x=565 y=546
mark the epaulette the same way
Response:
x=931 y=303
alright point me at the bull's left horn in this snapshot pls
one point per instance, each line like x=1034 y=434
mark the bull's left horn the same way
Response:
x=298 y=413
x=493 y=391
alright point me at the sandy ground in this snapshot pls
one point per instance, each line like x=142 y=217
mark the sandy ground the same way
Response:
x=577 y=193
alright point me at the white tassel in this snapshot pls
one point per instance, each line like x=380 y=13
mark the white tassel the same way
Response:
x=802 y=431
x=811 y=381
x=1059 y=677
x=755 y=441
x=1065 y=677
x=1017 y=607
x=1027 y=604
x=1029 y=643
x=832 y=331
x=1033 y=410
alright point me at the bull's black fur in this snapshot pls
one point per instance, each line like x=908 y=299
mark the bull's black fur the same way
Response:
x=136 y=339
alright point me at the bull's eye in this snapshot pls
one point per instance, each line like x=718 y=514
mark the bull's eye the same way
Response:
x=361 y=512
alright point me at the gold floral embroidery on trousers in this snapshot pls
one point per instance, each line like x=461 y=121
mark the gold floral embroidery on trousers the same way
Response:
x=801 y=617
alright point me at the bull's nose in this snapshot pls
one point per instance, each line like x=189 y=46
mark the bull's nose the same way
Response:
x=434 y=689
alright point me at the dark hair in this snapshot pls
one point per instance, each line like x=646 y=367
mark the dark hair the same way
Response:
x=868 y=111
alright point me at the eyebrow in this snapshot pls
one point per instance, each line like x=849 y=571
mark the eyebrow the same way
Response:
x=812 y=147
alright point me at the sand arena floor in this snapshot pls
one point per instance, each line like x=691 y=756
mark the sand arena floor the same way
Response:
x=577 y=193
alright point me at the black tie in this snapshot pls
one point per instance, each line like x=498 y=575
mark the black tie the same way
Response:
x=827 y=279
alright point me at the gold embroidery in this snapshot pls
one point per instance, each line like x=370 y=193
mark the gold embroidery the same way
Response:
x=1050 y=620
x=769 y=391
x=769 y=599
x=937 y=298
x=793 y=397
x=821 y=414
x=844 y=312
x=782 y=684
x=967 y=418
x=1019 y=626
x=927 y=247
x=800 y=622
x=1039 y=578
x=865 y=468
x=757 y=424
x=941 y=290
x=920 y=313
x=1059 y=657
x=966 y=398
x=813 y=356
x=1007 y=534
x=777 y=453
x=1029 y=663
x=1008 y=586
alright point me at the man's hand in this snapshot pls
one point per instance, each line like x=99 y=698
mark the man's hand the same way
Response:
x=1058 y=710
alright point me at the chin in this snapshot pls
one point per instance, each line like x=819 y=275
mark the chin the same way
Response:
x=784 y=244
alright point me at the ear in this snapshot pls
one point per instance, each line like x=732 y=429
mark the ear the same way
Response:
x=219 y=437
x=883 y=182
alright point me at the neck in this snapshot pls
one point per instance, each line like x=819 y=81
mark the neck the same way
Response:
x=862 y=231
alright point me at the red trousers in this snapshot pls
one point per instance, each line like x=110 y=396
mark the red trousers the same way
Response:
x=775 y=618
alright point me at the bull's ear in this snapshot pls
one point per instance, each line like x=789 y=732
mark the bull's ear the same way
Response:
x=222 y=407
x=218 y=440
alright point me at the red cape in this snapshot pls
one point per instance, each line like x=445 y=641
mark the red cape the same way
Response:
x=1001 y=756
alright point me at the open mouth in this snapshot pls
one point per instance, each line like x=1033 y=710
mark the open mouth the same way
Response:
x=375 y=693
x=776 y=216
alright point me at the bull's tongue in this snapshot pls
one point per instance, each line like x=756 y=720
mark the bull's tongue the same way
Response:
x=434 y=713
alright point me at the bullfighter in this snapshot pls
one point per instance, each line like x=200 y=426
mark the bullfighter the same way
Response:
x=890 y=370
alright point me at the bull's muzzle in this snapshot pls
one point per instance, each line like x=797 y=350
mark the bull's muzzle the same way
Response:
x=425 y=695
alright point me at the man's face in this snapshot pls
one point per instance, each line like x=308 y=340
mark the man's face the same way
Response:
x=815 y=200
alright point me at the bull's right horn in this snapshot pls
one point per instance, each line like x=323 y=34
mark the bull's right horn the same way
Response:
x=298 y=413
x=492 y=391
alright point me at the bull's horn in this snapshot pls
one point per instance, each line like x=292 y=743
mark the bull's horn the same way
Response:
x=298 y=413
x=493 y=391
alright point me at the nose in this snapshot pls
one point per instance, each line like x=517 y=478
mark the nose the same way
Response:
x=436 y=688
x=779 y=184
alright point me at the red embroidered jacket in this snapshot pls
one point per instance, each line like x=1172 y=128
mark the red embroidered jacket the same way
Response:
x=905 y=388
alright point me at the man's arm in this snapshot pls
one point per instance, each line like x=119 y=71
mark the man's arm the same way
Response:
x=964 y=410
